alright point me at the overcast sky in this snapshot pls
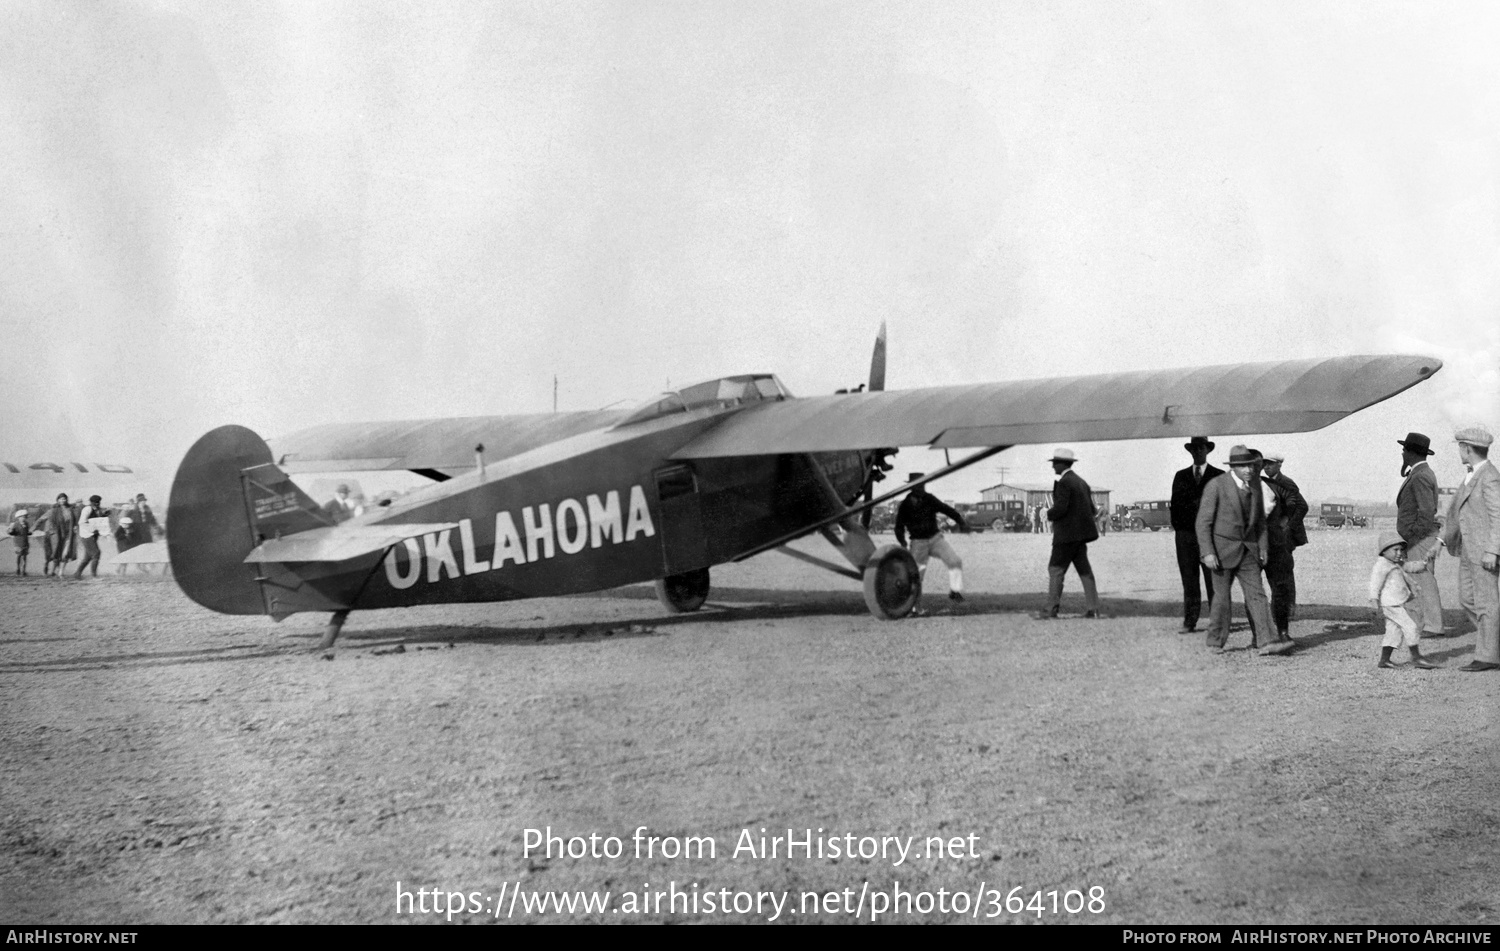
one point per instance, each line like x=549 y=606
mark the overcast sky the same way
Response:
x=285 y=214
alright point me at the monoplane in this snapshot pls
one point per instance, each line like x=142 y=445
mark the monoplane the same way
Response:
x=553 y=504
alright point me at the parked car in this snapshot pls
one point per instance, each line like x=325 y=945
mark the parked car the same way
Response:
x=1008 y=515
x=883 y=518
x=1153 y=515
x=1340 y=515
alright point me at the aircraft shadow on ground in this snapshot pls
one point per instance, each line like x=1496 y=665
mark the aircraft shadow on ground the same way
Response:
x=725 y=606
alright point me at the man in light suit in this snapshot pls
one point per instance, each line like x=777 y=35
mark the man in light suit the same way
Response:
x=1417 y=524
x=1187 y=491
x=1472 y=533
x=1232 y=536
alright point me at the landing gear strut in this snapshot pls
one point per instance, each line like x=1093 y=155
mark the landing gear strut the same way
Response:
x=331 y=633
x=683 y=593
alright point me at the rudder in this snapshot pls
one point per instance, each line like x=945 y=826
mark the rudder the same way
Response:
x=218 y=512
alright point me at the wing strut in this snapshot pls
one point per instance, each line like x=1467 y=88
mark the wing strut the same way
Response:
x=871 y=503
x=815 y=560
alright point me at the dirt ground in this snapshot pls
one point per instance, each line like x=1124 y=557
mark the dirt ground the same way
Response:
x=161 y=763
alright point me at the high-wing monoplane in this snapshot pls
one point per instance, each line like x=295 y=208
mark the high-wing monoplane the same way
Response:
x=544 y=505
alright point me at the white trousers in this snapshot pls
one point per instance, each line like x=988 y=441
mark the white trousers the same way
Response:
x=1400 y=629
x=923 y=549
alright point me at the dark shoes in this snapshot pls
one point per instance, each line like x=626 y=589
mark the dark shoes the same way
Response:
x=1422 y=663
x=1048 y=615
x=1187 y=628
x=1386 y=665
x=1093 y=614
x=1475 y=666
x=955 y=596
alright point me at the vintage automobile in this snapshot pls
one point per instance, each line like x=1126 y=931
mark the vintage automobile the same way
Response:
x=1007 y=515
x=1341 y=515
x=1155 y=515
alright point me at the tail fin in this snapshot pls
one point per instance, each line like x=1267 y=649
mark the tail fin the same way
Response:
x=226 y=499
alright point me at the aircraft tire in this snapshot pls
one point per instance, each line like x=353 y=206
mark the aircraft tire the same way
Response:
x=683 y=593
x=893 y=585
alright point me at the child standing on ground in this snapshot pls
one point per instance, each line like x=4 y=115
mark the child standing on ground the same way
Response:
x=1389 y=593
x=20 y=532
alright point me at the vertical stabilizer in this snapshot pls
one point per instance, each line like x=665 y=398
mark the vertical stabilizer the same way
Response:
x=209 y=521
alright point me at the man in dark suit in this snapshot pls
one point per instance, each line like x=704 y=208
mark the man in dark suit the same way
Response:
x=1187 y=489
x=1285 y=508
x=1232 y=536
x=1072 y=517
x=1417 y=524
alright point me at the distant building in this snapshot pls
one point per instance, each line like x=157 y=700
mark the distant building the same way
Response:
x=1034 y=494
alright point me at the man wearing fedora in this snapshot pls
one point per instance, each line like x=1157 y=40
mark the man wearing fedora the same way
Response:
x=1073 y=527
x=1472 y=533
x=1187 y=491
x=1232 y=536
x=1417 y=524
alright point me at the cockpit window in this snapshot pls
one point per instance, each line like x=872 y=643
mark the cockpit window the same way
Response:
x=723 y=393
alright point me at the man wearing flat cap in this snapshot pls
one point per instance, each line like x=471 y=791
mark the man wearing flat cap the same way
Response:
x=1073 y=527
x=1417 y=524
x=918 y=513
x=1232 y=537
x=1285 y=508
x=89 y=530
x=1187 y=491
x=1472 y=533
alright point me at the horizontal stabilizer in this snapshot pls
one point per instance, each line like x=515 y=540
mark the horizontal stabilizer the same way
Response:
x=339 y=543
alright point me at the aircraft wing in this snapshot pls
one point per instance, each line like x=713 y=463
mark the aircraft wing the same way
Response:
x=338 y=542
x=428 y=444
x=1281 y=397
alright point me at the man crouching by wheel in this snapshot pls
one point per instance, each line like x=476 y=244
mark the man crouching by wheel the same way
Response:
x=918 y=513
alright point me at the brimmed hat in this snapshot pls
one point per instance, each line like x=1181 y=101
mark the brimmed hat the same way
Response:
x=914 y=476
x=1198 y=442
x=1063 y=455
x=1416 y=442
x=1387 y=539
x=1240 y=456
x=1275 y=457
x=1474 y=436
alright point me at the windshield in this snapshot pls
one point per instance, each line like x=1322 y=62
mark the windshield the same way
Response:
x=722 y=393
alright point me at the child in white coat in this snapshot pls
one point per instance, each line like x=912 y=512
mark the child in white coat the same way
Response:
x=1389 y=593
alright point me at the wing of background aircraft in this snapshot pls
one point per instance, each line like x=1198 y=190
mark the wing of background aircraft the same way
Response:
x=1286 y=396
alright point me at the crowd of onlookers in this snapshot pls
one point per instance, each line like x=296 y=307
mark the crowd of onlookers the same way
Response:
x=68 y=532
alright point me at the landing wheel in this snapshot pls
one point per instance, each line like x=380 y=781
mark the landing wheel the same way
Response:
x=683 y=593
x=892 y=583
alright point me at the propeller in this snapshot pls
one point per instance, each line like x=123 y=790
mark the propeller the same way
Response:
x=880 y=462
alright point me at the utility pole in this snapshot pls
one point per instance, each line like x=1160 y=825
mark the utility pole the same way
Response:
x=554 y=392
x=1002 y=470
